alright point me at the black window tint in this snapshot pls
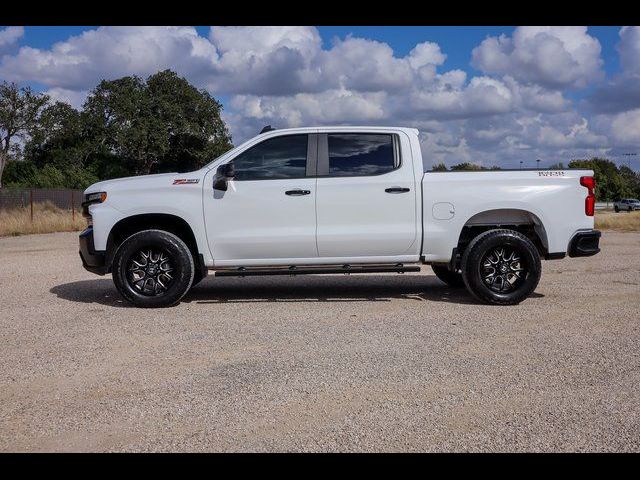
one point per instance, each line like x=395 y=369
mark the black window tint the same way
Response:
x=279 y=157
x=360 y=154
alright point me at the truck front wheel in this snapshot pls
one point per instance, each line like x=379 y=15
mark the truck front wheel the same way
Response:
x=501 y=267
x=153 y=268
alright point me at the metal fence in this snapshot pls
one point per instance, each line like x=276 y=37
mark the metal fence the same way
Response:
x=64 y=198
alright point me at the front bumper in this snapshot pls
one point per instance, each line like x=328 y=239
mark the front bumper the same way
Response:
x=92 y=260
x=585 y=244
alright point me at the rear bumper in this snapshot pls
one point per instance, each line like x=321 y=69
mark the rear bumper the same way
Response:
x=92 y=260
x=585 y=244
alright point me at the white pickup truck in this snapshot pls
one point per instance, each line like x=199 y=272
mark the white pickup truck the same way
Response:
x=335 y=200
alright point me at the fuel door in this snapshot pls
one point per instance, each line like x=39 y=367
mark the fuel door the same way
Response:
x=443 y=211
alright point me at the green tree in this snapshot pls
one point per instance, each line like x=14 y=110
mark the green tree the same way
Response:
x=57 y=138
x=163 y=124
x=440 y=167
x=472 y=167
x=466 y=166
x=20 y=109
x=191 y=117
x=631 y=180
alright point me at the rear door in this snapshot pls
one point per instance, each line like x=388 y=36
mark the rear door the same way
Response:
x=366 y=196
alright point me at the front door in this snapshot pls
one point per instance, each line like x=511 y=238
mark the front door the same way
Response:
x=267 y=214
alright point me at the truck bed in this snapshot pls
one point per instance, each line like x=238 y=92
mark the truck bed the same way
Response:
x=453 y=200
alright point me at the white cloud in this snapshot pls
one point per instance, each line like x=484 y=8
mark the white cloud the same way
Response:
x=426 y=53
x=554 y=57
x=624 y=127
x=243 y=42
x=75 y=98
x=332 y=106
x=9 y=36
x=576 y=136
x=364 y=65
x=516 y=109
x=629 y=49
x=111 y=52
x=264 y=60
x=623 y=91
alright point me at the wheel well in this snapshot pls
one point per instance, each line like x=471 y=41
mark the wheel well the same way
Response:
x=521 y=221
x=159 y=221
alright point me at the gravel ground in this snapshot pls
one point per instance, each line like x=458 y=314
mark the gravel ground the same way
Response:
x=318 y=363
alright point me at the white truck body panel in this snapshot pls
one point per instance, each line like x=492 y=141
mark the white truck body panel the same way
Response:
x=346 y=219
x=555 y=198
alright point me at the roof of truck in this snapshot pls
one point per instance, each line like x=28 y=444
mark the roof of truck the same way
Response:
x=340 y=128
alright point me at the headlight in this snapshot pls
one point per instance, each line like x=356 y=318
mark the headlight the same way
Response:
x=96 y=197
x=90 y=199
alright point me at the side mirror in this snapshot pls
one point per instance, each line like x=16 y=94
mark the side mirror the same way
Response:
x=223 y=174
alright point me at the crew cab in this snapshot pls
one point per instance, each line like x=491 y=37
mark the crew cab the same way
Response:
x=335 y=200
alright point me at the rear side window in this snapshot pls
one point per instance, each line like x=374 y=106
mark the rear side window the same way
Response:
x=359 y=154
x=276 y=158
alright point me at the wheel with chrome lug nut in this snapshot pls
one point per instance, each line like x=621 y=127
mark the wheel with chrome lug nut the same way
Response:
x=501 y=267
x=153 y=268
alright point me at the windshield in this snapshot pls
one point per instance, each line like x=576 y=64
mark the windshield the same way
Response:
x=208 y=165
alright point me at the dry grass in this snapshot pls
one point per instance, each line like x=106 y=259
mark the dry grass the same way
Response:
x=47 y=218
x=623 y=221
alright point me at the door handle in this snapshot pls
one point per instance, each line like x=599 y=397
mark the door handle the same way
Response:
x=397 y=190
x=297 y=192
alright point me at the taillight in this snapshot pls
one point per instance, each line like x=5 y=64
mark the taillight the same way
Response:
x=590 y=201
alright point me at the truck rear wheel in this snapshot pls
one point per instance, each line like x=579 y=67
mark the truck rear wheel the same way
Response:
x=153 y=268
x=501 y=267
x=453 y=279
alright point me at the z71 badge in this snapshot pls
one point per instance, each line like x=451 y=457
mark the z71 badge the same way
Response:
x=185 y=181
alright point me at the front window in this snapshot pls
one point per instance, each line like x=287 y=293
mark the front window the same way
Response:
x=276 y=158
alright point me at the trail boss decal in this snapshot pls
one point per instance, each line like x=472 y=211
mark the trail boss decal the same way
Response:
x=551 y=173
x=185 y=181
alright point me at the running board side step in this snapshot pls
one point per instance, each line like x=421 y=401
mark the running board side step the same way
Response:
x=311 y=270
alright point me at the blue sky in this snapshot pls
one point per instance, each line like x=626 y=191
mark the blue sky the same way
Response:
x=488 y=95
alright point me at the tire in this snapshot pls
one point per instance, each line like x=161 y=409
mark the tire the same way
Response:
x=197 y=278
x=520 y=260
x=453 y=279
x=616 y=209
x=153 y=269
